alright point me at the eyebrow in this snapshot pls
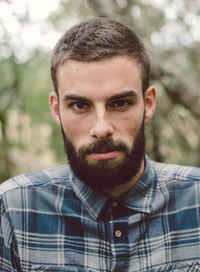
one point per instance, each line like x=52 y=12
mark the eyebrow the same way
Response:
x=124 y=95
x=75 y=97
x=114 y=97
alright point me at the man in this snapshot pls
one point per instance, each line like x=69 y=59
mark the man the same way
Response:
x=111 y=209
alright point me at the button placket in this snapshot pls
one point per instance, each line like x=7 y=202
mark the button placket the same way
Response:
x=120 y=244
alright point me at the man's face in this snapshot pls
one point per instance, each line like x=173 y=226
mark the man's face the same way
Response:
x=102 y=112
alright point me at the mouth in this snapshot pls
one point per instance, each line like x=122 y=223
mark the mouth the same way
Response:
x=103 y=155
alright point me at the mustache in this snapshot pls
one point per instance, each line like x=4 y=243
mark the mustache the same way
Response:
x=103 y=145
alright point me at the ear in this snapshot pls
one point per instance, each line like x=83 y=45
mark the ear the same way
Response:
x=54 y=107
x=150 y=103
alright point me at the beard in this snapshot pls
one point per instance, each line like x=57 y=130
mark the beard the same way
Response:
x=106 y=174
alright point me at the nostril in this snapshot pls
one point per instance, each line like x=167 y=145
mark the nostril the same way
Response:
x=102 y=136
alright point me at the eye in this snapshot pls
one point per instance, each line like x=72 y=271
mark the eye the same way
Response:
x=79 y=107
x=121 y=104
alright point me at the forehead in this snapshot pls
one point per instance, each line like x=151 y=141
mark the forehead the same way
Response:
x=99 y=78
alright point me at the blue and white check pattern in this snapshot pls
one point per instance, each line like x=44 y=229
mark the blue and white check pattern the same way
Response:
x=50 y=221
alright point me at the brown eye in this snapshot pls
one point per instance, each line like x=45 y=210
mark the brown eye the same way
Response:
x=79 y=106
x=121 y=104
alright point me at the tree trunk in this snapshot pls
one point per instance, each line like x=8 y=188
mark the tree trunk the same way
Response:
x=5 y=162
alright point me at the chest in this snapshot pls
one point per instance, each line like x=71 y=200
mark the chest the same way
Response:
x=120 y=240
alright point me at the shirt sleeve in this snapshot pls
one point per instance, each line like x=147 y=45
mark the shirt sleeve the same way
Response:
x=9 y=262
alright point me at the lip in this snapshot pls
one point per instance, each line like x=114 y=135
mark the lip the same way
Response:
x=104 y=155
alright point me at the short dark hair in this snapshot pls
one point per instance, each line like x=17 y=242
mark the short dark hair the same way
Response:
x=98 y=39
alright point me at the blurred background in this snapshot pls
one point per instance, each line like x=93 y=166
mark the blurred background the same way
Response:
x=30 y=140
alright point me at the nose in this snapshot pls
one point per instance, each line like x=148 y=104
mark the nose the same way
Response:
x=102 y=127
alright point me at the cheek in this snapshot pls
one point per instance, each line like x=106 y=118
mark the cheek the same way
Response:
x=75 y=130
x=129 y=128
x=131 y=122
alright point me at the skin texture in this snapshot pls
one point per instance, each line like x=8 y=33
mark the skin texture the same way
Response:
x=102 y=100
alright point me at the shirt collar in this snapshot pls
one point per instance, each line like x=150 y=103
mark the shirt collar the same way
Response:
x=139 y=198
x=92 y=200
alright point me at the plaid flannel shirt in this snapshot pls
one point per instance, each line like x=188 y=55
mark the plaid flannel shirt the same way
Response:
x=50 y=221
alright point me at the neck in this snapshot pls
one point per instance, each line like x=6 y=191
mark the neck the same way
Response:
x=123 y=188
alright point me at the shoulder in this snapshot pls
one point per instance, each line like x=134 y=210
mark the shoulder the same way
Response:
x=173 y=172
x=41 y=191
x=59 y=175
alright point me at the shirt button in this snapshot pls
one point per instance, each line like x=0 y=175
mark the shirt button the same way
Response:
x=115 y=204
x=118 y=233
